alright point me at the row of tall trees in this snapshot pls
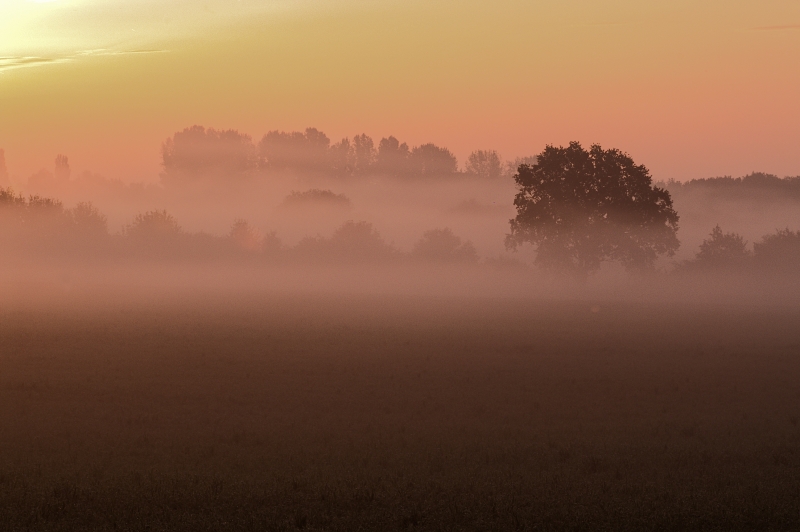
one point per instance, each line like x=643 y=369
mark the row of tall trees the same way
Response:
x=197 y=152
x=755 y=182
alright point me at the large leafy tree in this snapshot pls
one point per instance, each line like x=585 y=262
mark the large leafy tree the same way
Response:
x=580 y=208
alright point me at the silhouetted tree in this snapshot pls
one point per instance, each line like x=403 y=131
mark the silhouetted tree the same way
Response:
x=153 y=225
x=511 y=167
x=244 y=236
x=744 y=187
x=352 y=242
x=364 y=154
x=779 y=251
x=304 y=151
x=342 y=158
x=47 y=213
x=9 y=199
x=198 y=152
x=485 y=164
x=359 y=241
x=431 y=160
x=722 y=250
x=63 y=171
x=443 y=245
x=88 y=220
x=12 y=212
x=581 y=207
x=392 y=157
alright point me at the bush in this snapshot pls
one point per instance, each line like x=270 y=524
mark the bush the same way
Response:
x=88 y=220
x=722 y=250
x=352 y=242
x=317 y=196
x=779 y=251
x=442 y=245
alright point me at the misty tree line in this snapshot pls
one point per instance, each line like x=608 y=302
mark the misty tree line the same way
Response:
x=779 y=252
x=578 y=208
x=199 y=152
x=755 y=182
x=40 y=227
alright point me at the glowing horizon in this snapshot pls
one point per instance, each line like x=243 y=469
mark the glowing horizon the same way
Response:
x=690 y=91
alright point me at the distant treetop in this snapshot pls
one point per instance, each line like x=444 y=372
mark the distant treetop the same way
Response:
x=200 y=152
x=197 y=152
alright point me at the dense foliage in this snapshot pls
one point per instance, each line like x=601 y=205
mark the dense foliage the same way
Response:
x=197 y=153
x=582 y=207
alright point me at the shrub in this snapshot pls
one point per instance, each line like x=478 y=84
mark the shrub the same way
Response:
x=317 y=196
x=780 y=251
x=442 y=245
x=245 y=236
x=353 y=241
x=722 y=250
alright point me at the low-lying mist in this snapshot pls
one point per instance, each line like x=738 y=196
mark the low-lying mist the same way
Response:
x=305 y=336
x=296 y=212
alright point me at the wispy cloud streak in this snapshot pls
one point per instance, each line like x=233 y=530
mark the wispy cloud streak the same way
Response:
x=14 y=62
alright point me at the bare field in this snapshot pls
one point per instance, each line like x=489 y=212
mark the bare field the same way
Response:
x=269 y=411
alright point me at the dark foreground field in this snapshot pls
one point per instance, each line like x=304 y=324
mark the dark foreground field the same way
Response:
x=271 y=412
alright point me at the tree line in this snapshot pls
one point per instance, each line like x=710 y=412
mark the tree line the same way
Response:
x=744 y=186
x=581 y=207
x=198 y=152
x=37 y=227
x=721 y=251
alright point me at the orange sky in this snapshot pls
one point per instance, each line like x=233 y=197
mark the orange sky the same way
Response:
x=690 y=89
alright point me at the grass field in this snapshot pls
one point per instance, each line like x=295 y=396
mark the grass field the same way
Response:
x=278 y=412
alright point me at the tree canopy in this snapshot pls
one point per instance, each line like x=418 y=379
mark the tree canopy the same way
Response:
x=485 y=164
x=580 y=208
x=198 y=152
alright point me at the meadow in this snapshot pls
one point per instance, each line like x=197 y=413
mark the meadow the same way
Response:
x=270 y=410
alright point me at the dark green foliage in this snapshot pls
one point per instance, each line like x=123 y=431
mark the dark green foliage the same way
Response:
x=580 y=208
x=442 y=245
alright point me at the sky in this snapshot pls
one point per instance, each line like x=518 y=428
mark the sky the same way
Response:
x=690 y=89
